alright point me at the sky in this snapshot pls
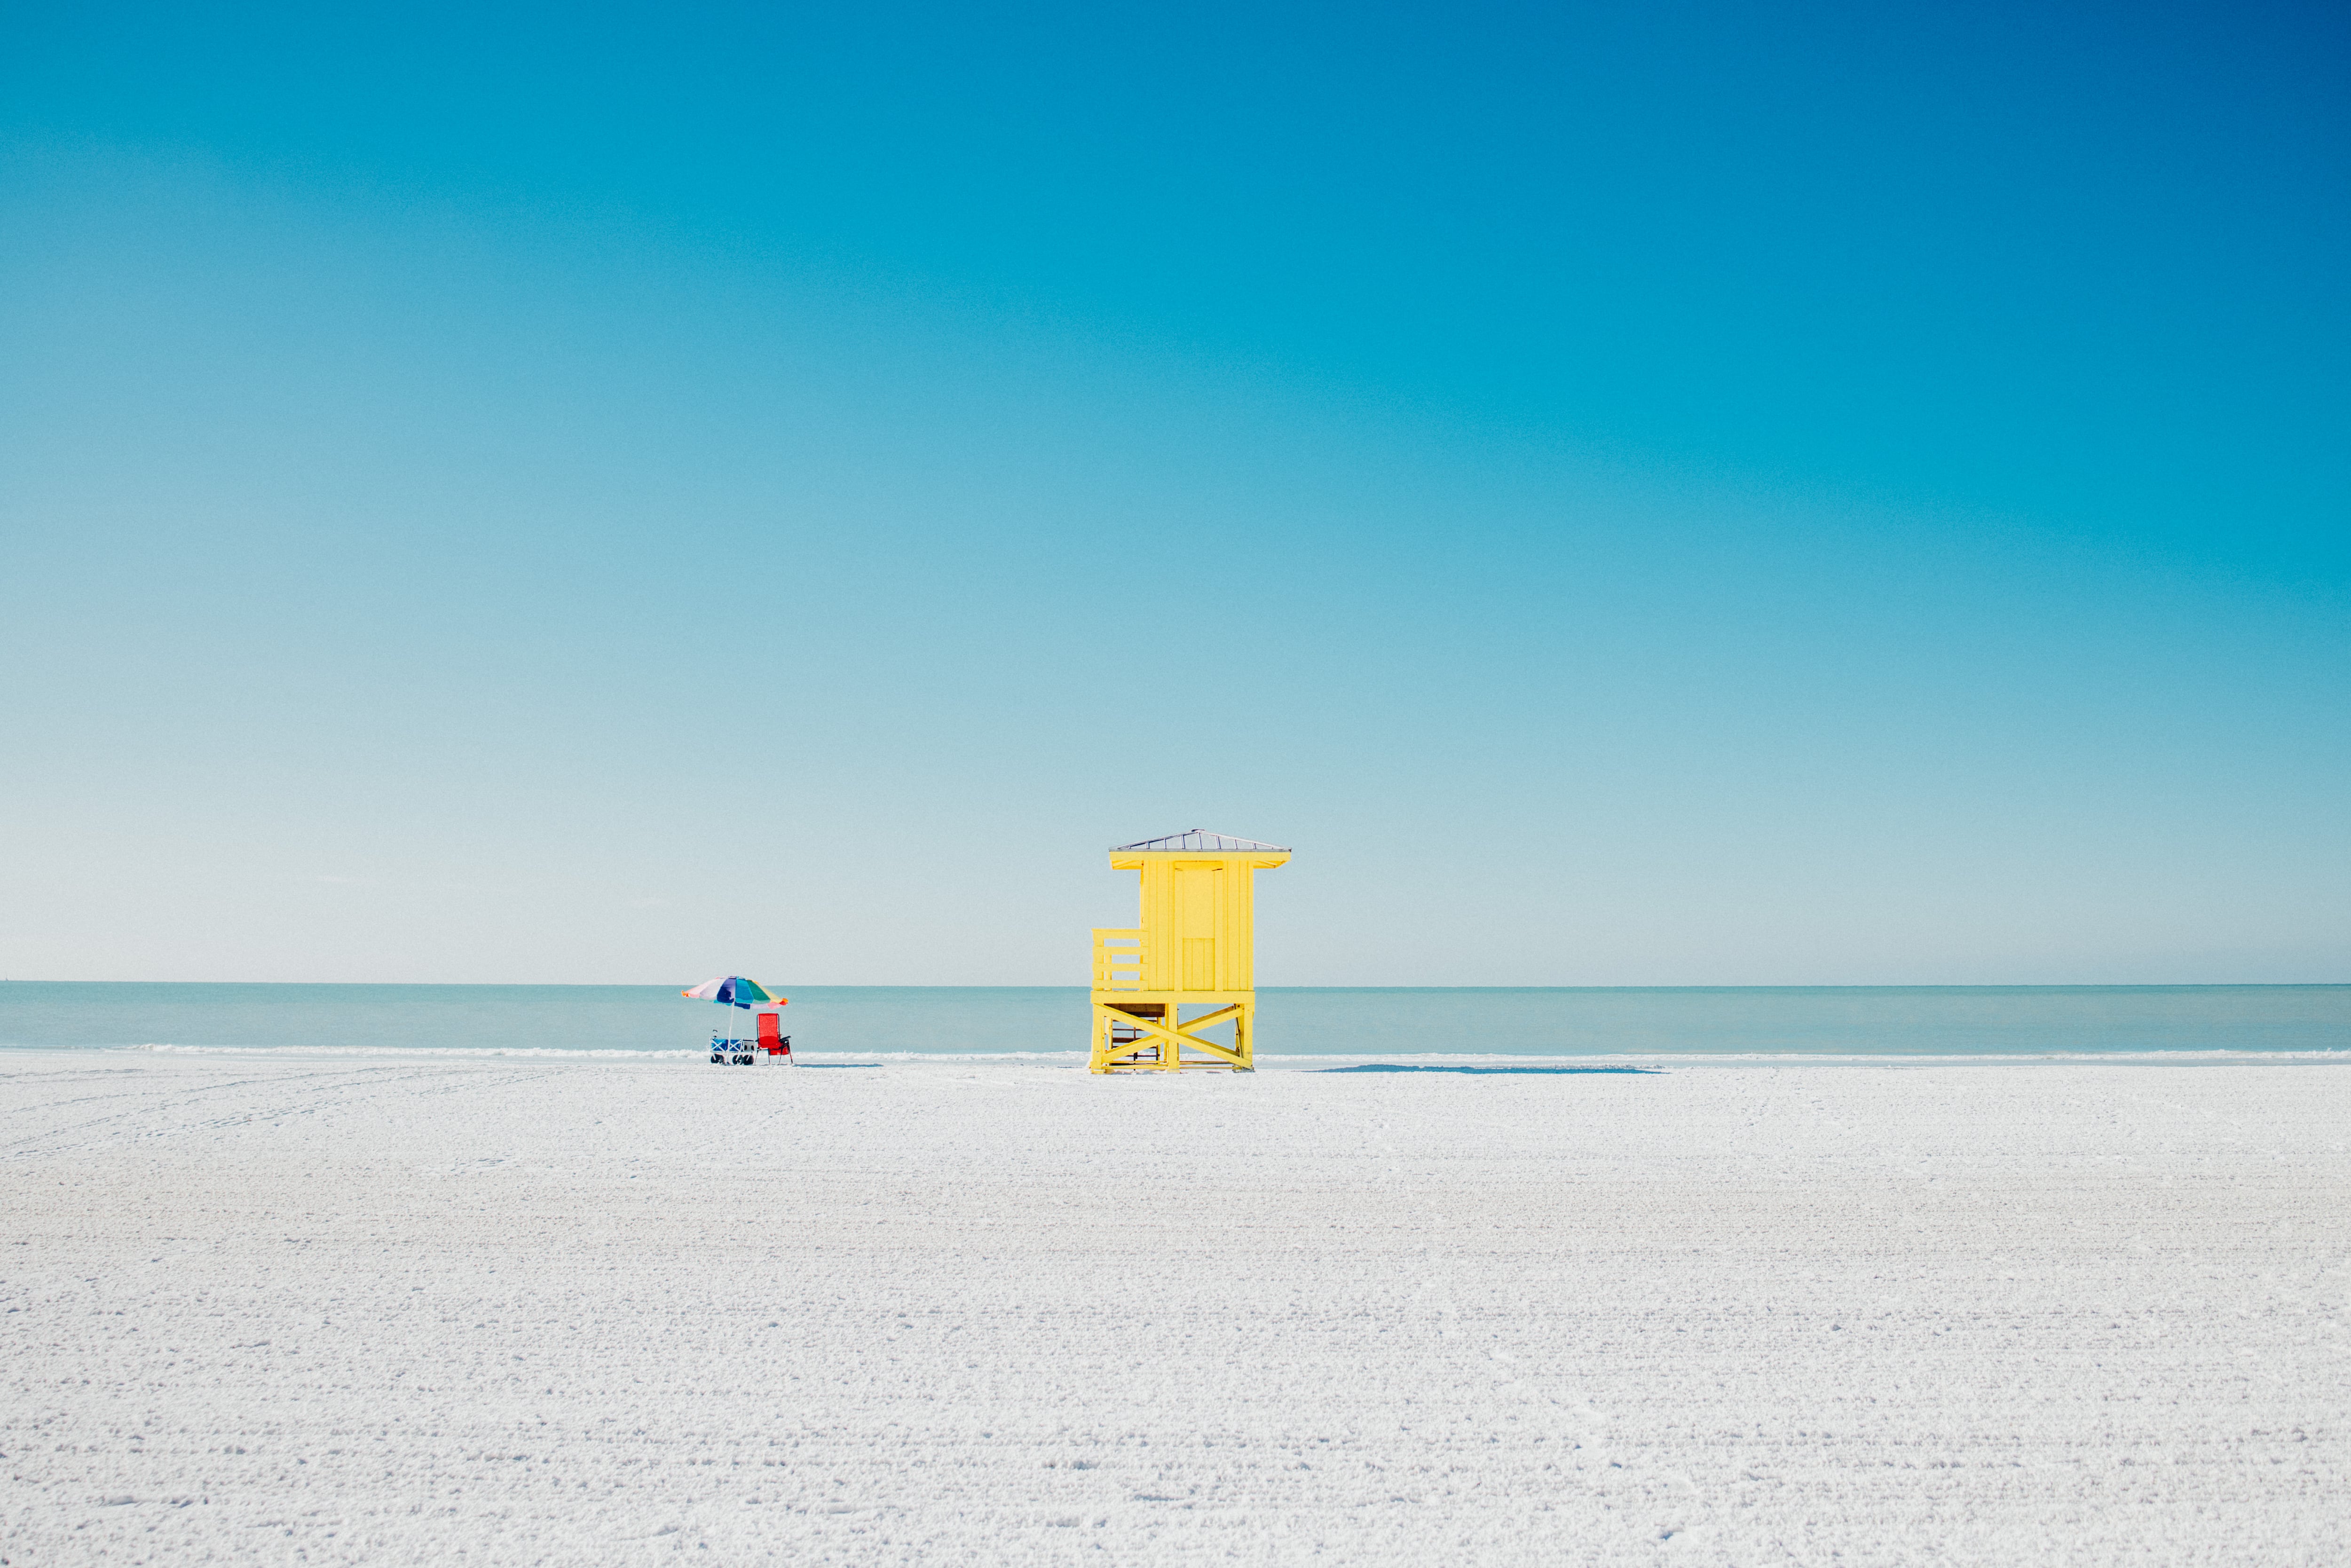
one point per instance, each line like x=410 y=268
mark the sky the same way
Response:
x=1670 y=495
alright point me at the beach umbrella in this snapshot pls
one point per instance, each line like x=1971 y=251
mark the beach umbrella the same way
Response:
x=731 y=990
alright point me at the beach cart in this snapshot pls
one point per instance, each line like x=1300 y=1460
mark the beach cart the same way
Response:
x=768 y=1040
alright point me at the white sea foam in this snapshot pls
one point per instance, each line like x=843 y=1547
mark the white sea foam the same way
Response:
x=1800 y=1058
x=1307 y=1061
x=409 y=1051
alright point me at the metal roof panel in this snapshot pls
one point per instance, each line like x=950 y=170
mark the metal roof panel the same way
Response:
x=1202 y=841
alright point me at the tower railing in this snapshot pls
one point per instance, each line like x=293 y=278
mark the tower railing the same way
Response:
x=1118 y=960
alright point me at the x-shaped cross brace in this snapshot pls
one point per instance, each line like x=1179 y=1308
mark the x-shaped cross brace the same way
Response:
x=1180 y=1036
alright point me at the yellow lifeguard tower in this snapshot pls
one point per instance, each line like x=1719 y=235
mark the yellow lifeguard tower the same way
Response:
x=1196 y=947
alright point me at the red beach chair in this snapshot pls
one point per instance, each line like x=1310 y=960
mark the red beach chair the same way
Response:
x=772 y=1039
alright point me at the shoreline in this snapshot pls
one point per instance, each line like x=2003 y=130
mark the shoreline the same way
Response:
x=1269 y=1061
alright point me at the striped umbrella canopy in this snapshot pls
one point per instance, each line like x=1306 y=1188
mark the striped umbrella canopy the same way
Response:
x=731 y=990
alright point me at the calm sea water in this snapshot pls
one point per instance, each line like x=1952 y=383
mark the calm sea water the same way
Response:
x=1051 y=1022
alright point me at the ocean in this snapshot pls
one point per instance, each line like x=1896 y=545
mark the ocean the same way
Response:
x=1048 y=1024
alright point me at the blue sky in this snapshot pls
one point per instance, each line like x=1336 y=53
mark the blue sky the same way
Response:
x=1665 y=495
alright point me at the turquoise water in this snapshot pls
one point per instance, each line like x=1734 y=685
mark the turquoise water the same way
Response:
x=1051 y=1022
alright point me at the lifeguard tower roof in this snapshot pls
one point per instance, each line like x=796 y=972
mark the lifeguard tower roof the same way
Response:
x=1200 y=840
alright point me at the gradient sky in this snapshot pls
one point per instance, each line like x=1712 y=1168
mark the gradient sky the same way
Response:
x=1674 y=494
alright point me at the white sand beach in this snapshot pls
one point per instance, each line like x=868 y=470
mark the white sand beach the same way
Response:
x=398 y=1309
